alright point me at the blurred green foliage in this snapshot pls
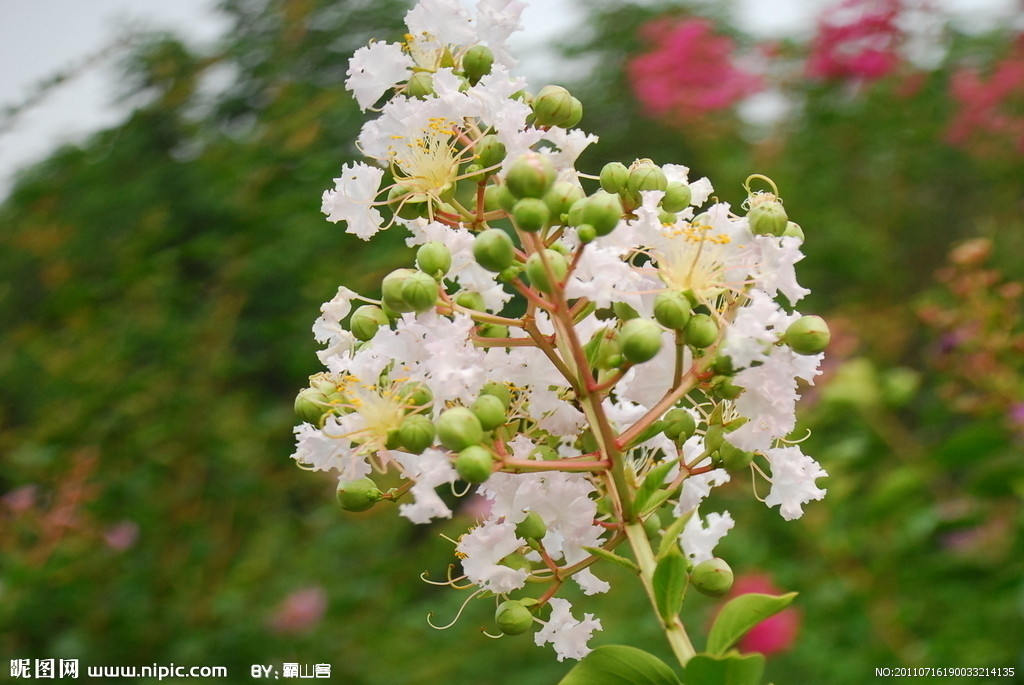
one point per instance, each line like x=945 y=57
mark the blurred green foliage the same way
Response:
x=159 y=281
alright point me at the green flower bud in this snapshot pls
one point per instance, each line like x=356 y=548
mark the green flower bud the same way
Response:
x=672 y=310
x=623 y=311
x=358 y=495
x=311 y=405
x=575 y=114
x=419 y=291
x=400 y=202
x=531 y=214
x=499 y=390
x=561 y=197
x=513 y=618
x=532 y=527
x=808 y=335
x=459 y=428
x=416 y=433
x=646 y=176
x=517 y=561
x=714 y=437
x=602 y=210
x=493 y=249
x=712 y=577
x=391 y=290
x=421 y=85
x=666 y=218
x=434 y=258
x=722 y=365
x=679 y=425
x=733 y=458
x=602 y=350
x=722 y=386
x=586 y=233
x=490 y=410
x=574 y=217
x=768 y=218
x=614 y=176
x=677 y=197
x=793 y=230
x=511 y=273
x=366 y=321
x=490 y=151
x=538 y=274
x=640 y=340
x=416 y=394
x=492 y=330
x=477 y=62
x=701 y=331
x=531 y=175
x=553 y=106
x=474 y=464
x=470 y=300
x=391 y=440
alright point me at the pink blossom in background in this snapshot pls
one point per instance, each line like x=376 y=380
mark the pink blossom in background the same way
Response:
x=300 y=611
x=857 y=40
x=689 y=72
x=121 y=536
x=774 y=634
x=990 y=109
x=20 y=499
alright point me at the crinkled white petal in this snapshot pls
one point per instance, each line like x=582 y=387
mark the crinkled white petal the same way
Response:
x=699 y=541
x=568 y=636
x=352 y=199
x=483 y=548
x=591 y=584
x=793 y=480
x=374 y=69
x=429 y=470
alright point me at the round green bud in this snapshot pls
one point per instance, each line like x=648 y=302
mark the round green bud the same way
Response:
x=419 y=291
x=672 y=310
x=793 y=230
x=492 y=330
x=646 y=176
x=679 y=425
x=490 y=151
x=493 y=250
x=490 y=410
x=712 y=577
x=459 y=428
x=575 y=114
x=511 y=273
x=499 y=390
x=470 y=300
x=677 y=197
x=491 y=199
x=574 y=217
x=477 y=62
x=808 y=335
x=357 y=495
x=400 y=202
x=416 y=394
x=666 y=218
x=553 y=106
x=701 y=331
x=602 y=210
x=532 y=527
x=768 y=218
x=434 y=258
x=531 y=214
x=513 y=618
x=614 y=176
x=517 y=561
x=474 y=464
x=723 y=387
x=561 y=197
x=391 y=290
x=310 y=405
x=473 y=174
x=639 y=340
x=366 y=321
x=421 y=85
x=532 y=175
x=586 y=233
x=538 y=274
x=391 y=440
x=733 y=458
x=722 y=365
x=416 y=433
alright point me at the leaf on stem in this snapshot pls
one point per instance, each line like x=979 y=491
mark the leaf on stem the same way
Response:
x=620 y=665
x=731 y=669
x=740 y=615
x=669 y=584
x=614 y=558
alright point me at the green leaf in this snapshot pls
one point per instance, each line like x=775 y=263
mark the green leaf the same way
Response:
x=620 y=665
x=669 y=584
x=731 y=669
x=654 y=480
x=614 y=558
x=742 y=614
x=669 y=539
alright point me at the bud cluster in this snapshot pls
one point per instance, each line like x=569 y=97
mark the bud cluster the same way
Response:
x=656 y=354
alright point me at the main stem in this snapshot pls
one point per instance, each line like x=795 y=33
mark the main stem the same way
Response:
x=675 y=633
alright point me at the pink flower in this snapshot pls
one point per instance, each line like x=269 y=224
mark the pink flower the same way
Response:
x=858 y=40
x=121 y=536
x=300 y=611
x=774 y=634
x=987 y=118
x=689 y=71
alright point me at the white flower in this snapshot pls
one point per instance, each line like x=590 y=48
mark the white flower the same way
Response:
x=481 y=550
x=647 y=383
x=591 y=584
x=568 y=636
x=775 y=272
x=429 y=470
x=697 y=541
x=328 y=449
x=793 y=476
x=758 y=325
x=697 y=488
x=352 y=199
x=374 y=69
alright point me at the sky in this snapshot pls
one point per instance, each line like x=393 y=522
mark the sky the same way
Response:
x=39 y=38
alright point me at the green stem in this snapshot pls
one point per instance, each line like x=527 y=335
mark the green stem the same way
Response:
x=675 y=633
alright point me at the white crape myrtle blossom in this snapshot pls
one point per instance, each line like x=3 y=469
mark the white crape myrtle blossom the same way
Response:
x=591 y=351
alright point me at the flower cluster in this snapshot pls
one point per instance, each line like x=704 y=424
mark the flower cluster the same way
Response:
x=594 y=353
x=988 y=117
x=859 y=40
